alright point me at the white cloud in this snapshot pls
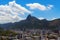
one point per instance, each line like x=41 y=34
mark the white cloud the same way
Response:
x=53 y=18
x=50 y=6
x=39 y=6
x=10 y=12
x=41 y=18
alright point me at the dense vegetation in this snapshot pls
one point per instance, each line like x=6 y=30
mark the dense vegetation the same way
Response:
x=7 y=32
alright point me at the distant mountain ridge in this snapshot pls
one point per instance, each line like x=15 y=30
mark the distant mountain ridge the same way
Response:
x=32 y=22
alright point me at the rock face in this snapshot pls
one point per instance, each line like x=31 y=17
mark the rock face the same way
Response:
x=32 y=22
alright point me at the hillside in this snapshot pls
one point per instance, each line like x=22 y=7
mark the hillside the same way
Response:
x=32 y=22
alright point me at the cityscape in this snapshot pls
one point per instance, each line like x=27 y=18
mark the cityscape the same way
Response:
x=32 y=34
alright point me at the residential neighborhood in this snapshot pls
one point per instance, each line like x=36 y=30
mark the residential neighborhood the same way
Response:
x=33 y=34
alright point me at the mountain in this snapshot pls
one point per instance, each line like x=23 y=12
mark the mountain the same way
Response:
x=32 y=22
x=55 y=24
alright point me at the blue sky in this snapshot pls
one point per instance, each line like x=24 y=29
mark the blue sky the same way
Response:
x=48 y=9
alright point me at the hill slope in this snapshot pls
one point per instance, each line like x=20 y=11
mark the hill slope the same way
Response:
x=32 y=22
